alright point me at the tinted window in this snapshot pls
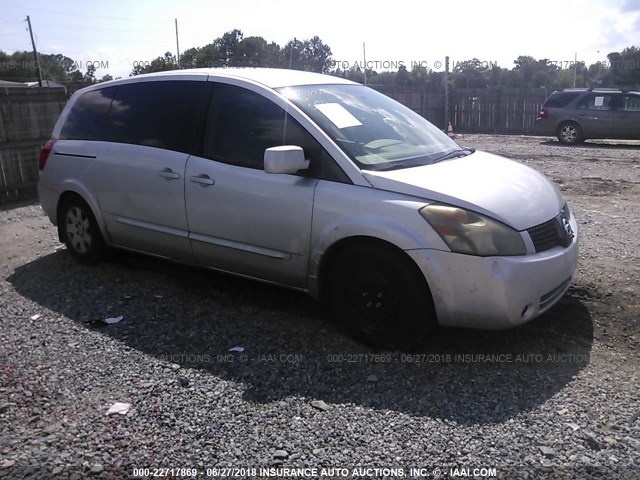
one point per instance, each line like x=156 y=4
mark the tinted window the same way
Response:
x=163 y=114
x=560 y=99
x=631 y=103
x=88 y=116
x=243 y=124
x=595 y=101
x=322 y=165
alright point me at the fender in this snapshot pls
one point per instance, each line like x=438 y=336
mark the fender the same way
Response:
x=72 y=185
x=342 y=212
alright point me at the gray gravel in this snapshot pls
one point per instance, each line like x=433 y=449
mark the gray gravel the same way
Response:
x=558 y=398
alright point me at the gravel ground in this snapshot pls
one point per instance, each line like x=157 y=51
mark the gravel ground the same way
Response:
x=557 y=398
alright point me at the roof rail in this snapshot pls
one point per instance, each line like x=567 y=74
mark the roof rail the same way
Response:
x=604 y=89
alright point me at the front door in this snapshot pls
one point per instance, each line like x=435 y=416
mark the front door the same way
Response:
x=596 y=115
x=627 y=122
x=240 y=218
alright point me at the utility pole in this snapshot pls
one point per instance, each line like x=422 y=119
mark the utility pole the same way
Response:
x=291 y=54
x=177 y=44
x=575 y=66
x=364 y=56
x=35 y=53
x=446 y=94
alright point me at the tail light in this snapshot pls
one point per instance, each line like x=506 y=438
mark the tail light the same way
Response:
x=44 y=153
x=543 y=114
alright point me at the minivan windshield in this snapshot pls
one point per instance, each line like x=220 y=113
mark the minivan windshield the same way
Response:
x=376 y=132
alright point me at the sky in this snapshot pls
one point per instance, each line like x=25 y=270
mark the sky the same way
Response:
x=116 y=34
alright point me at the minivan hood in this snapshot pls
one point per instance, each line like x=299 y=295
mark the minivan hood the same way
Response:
x=498 y=187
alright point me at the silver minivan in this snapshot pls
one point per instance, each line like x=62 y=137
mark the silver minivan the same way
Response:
x=315 y=183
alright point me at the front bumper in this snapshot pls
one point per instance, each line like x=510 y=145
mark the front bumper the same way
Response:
x=496 y=292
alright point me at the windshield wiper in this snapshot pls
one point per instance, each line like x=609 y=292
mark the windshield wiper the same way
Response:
x=455 y=153
x=393 y=166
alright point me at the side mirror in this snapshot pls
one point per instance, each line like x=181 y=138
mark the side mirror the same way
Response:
x=284 y=159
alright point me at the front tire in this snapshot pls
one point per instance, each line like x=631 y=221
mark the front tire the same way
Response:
x=80 y=232
x=570 y=133
x=380 y=297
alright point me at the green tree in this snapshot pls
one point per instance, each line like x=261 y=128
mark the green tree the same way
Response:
x=90 y=76
x=255 y=52
x=20 y=66
x=402 y=77
x=317 y=55
x=227 y=45
x=292 y=55
x=470 y=74
x=623 y=69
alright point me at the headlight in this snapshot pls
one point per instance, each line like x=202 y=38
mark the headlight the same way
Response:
x=470 y=233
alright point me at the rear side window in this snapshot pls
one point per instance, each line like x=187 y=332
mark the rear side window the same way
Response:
x=88 y=116
x=595 y=101
x=162 y=114
x=560 y=99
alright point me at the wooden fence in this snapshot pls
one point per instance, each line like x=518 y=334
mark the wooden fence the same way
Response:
x=475 y=110
x=27 y=118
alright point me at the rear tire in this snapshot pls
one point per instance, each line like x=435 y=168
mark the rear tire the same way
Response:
x=80 y=231
x=380 y=297
x=570 y=133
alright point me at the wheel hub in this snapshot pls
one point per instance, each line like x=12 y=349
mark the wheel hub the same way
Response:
x=78 y=229
x=372 y=300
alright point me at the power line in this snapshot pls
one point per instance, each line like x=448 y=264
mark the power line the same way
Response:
x=11 y=25
x=75 y=27
x=75 y=39
x=70 y=14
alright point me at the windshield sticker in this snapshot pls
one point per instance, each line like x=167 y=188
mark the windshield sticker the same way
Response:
x=599 y=101
x=338 y=115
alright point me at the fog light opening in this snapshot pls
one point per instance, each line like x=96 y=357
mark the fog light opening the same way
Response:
x=524 y=311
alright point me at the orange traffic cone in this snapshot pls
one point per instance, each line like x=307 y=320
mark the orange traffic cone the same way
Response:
x=450 y=131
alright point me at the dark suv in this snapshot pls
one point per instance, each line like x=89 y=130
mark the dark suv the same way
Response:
x=576 y=114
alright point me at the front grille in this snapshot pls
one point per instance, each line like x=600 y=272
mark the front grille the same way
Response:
x=546 y=235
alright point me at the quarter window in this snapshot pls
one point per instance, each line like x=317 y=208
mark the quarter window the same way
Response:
x=559 y=99
x=162 y=114
x=88 y=116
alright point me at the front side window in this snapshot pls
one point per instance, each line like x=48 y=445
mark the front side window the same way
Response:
x=88 y=116
x=375 y=131
x=243 y=124
x=595 y=102
x=631 y=103
x=162 y=114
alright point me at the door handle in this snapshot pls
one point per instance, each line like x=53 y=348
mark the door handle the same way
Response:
x=168 y=174
x=203 y=179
